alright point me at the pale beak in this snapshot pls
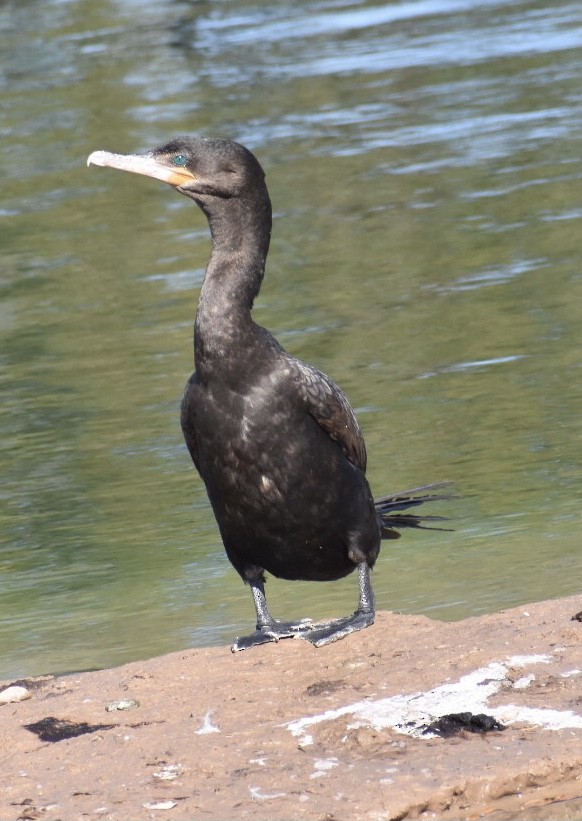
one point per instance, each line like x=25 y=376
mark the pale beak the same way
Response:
x=144 y=164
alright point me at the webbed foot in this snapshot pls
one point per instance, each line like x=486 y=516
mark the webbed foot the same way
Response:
x=339 y=628
x=273 y=631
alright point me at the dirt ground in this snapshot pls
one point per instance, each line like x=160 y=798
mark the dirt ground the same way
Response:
x=288 y=731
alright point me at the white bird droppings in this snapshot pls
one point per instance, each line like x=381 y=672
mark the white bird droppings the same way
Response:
x=323 y=766
x=261 y=796
x=410 y=714
x=161 y=805
x=207 y=725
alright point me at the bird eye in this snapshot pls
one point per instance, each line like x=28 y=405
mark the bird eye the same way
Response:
x=180 y=159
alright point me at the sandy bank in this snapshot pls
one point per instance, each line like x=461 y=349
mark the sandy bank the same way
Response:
x=289 y=731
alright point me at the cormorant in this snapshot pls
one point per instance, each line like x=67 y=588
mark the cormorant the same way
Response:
x=274 y=439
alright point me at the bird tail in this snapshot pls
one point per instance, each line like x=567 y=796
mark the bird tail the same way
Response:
x=388 y=509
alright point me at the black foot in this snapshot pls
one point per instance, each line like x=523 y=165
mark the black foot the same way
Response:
x=338 y=629
x=272 y=632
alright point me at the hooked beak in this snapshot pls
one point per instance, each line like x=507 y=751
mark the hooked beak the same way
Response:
x=145 y=164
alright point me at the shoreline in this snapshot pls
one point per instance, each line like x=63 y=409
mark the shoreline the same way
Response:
x=347 y=731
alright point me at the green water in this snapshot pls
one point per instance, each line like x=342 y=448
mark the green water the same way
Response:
x=424 y=161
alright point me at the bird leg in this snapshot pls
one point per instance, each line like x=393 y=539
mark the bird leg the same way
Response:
x=268 y=628
x=363 y=617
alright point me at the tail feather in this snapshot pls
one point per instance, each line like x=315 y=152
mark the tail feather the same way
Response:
x=387 y=508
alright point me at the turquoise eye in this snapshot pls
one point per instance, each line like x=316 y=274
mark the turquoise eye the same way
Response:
x=180 y=159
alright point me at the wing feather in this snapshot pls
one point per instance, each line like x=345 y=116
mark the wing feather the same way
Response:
x=329 y=406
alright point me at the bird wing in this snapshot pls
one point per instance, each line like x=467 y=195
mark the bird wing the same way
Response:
x=186 y=418
x=329 y=406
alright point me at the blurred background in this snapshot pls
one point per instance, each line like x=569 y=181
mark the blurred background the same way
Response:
x=424 y=162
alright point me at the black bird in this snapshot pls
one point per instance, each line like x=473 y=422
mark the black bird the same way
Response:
x=275 y=440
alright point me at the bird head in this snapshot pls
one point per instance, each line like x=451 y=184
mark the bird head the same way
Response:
x=197 y=167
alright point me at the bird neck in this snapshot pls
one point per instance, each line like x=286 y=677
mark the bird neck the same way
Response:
x=240 y=230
